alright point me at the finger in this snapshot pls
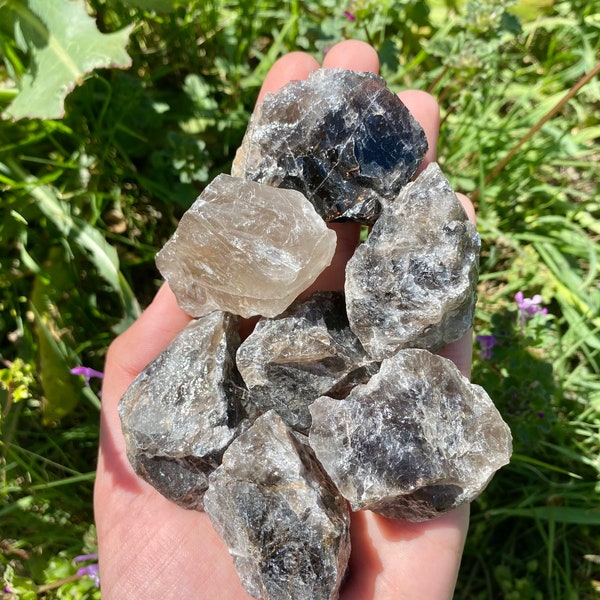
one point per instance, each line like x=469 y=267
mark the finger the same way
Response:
x=354 y=55
x=293 y=66
x=146 y=338
x=426 y=111
x=460 y=353
x=395 y=558
x=468 y=206
x=350 y=54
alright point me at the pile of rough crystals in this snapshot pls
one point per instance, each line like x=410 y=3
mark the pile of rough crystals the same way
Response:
x=336 y=399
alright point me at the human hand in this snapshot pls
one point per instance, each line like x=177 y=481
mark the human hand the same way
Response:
x=151 y=548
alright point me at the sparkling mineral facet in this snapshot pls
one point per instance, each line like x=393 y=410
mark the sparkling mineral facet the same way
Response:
x=306 y=352
x=185 y=408
x=340 y=137
x=413 y=282
x=246 y=248
x=417 y=440
x=286 y=526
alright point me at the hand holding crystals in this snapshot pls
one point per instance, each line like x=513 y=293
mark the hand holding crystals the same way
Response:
x=151 y=548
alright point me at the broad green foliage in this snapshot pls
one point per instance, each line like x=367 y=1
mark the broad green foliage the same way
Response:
x=63 y=46
x=87 y=199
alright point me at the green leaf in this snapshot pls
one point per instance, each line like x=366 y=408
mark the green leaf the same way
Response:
x=64 y=45
x=87 y=239
x=93 y=245
x=157 y=5
x=55 y=356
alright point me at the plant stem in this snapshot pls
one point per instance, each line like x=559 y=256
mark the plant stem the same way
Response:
x=558 y=106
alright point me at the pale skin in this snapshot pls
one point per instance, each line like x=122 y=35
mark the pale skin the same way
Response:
x=150 y=548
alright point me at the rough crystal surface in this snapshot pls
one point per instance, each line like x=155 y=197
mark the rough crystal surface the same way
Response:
x=185 y=408
x=417 y=440
x=413 y=282
x=341 y=137
x=286 y=526
x=306 y=352
x=245 y=248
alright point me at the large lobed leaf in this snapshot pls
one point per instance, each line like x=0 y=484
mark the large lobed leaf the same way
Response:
x=64 y=45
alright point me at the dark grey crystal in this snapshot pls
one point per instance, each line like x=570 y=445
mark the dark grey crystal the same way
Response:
x=306 y=352
x=286 y=526
x=342 y=138
x=413 y=282
x=416 y=441
x=184 y=409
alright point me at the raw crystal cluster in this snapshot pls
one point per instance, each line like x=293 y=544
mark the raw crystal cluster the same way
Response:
x=334 y=398
x=415 y=441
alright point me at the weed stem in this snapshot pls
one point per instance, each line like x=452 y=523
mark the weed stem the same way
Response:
x=558 y=106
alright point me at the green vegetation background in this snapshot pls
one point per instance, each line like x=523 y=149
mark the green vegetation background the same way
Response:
x=88 y=198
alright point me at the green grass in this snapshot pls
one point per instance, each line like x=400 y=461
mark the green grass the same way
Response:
x=88 y=199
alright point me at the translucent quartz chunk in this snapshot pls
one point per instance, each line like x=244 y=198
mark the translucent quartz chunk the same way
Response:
x=341 y=137
x=413 y=283
x=286 y=526
x=245 y=248
x=416 y=441
x=306 y=352
x=182 y=411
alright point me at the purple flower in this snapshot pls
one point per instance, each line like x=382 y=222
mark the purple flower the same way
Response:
x=529 y=306
x=91 y=571
x=350 y=16
x=487 y=342
x=88 y=373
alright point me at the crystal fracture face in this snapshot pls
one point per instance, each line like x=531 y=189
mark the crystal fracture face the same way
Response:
x=341 y=138
x=334 y=398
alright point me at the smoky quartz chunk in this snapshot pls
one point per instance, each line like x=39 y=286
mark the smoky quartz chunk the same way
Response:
x=416 y=441
x=246 y=248
x=184 y=409
x=306 y=352
x=342 y=138
x=413 y=283
x=286 y=526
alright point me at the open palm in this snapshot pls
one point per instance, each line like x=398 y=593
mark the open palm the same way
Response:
x=151 y=548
